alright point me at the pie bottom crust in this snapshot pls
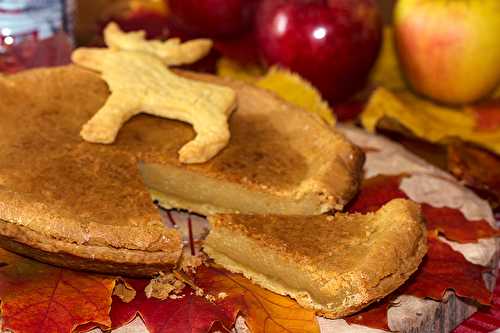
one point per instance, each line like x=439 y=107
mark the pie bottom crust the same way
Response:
x=135 y=263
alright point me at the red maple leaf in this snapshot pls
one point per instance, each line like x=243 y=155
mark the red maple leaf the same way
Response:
x=453 y=224
x=42 y=298
x=376 y=192
x=445 y=269
x=191 y=313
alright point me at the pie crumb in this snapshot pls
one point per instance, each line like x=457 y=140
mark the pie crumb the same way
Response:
x=190 y=263
x=163 y=286
x=124 y=291
x=199 y=292
x=210 y=298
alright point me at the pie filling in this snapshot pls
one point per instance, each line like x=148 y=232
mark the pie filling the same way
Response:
x=266 y=268
x=177 y=188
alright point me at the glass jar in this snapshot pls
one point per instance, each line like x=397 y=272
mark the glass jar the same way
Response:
x=35 y=33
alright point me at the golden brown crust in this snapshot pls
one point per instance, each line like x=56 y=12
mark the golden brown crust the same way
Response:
x=100 y=259
x=279 y=149
x=64 y=196
x=60 y=187
x=334 y=264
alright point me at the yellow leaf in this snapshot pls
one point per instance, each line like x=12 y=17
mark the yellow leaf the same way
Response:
x=387 y=72
x=292 y=88
x=425 y=119
x=233 y=70
x=289 y=86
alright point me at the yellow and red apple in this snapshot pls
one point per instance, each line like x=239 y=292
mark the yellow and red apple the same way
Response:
x=449 y=50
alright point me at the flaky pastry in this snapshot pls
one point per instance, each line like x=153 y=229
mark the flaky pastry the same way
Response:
x=140 y=82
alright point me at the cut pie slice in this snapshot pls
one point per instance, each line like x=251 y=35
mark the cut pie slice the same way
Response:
x=335 y=265
x=280 y=160
x=84 y=205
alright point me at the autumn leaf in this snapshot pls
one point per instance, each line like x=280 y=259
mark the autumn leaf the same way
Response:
x=232 y=69
x=189 y=313
x=284 y=83
x=377 y=191
x=479 y=169
x=263 y=310
x=296 y=90
x=393 y=106
x=374 y=316
x=487 y=115
x=445 y=269
x=405 y=112
x=41 y=298
x=442 y=269
x=453 y=224
x=486 y=320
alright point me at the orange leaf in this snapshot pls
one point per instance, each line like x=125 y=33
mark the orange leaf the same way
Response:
x=41 y=298
x=445 y=269
x=264 y=311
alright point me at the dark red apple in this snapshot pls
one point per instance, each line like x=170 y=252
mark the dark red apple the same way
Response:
x=214 y=18
x=332 y=43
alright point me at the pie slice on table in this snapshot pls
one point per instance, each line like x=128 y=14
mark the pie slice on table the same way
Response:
x=335 y=265
x=88 y=206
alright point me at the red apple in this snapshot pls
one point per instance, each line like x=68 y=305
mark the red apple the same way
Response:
x=332 y=43
x=214 y=18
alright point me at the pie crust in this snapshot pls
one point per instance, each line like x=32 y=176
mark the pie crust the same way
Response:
x=335 y=265
x=61 y=196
